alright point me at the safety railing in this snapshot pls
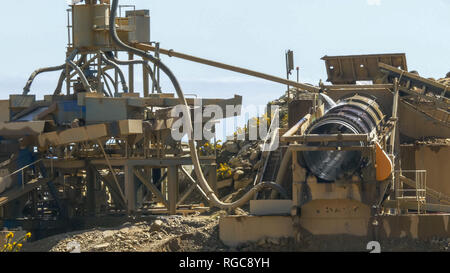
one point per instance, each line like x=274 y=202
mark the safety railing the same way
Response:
x=22 y=172
x=417 y=193
x=69 y=28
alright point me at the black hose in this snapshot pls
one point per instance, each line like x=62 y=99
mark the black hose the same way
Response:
x=111 y=56
x=113 y=64
x=26 y=89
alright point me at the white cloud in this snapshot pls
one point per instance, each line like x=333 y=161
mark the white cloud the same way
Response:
x=373 y=2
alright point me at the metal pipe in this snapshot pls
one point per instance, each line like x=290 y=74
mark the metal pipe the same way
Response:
x=122 y=76
x=33 y=75
x=240 y=70
x=80 y=73
x=187 y=117
x=111 y=56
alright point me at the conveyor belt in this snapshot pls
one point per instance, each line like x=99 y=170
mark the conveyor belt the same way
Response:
x=423 y=85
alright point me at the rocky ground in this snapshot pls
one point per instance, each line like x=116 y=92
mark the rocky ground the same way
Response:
x=160 y=234
x=200 y=233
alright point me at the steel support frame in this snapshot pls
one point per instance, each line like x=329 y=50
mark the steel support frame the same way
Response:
x=173 y=200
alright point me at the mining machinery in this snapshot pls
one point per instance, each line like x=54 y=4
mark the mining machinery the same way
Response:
x=100 y=147
x=366 y=157
x=103 y=146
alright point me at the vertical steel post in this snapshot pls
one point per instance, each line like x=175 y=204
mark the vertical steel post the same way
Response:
x=131 y=73
x=172 y=186
x=156 y=71
x=67 y=79
x=99 y=74
x=116 y=78
x=130 y=189
x=145 y=76
x=90 y=185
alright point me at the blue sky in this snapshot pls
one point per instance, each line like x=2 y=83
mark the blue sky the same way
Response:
x=248 y=33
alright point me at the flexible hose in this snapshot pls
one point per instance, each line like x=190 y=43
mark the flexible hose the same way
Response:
x=122 y=76
x=80 y=73
x=26 y=89
x=105 y=77
x=110 y=56
x=62 y=76
x=187 y=116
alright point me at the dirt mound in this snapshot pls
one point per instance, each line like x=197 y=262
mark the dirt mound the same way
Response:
x=164 y=233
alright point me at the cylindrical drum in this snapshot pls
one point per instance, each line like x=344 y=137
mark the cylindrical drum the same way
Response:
x=353 y=115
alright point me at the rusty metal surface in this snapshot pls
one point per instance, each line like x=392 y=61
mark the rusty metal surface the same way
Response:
x=353 y=68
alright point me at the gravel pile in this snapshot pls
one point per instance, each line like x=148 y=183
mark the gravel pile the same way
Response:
x=165 y=233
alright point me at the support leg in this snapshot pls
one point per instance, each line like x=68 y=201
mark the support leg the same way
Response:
x=130 y=189
x=172 y=186
x=212 y=177
x=91 y=204
x=131 y=74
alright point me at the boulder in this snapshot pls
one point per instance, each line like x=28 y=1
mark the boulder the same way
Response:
x=238 y=175
x=235 y=162
x=232 y=147
x=101 y=246
x=156 y=226
x=108 y=233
